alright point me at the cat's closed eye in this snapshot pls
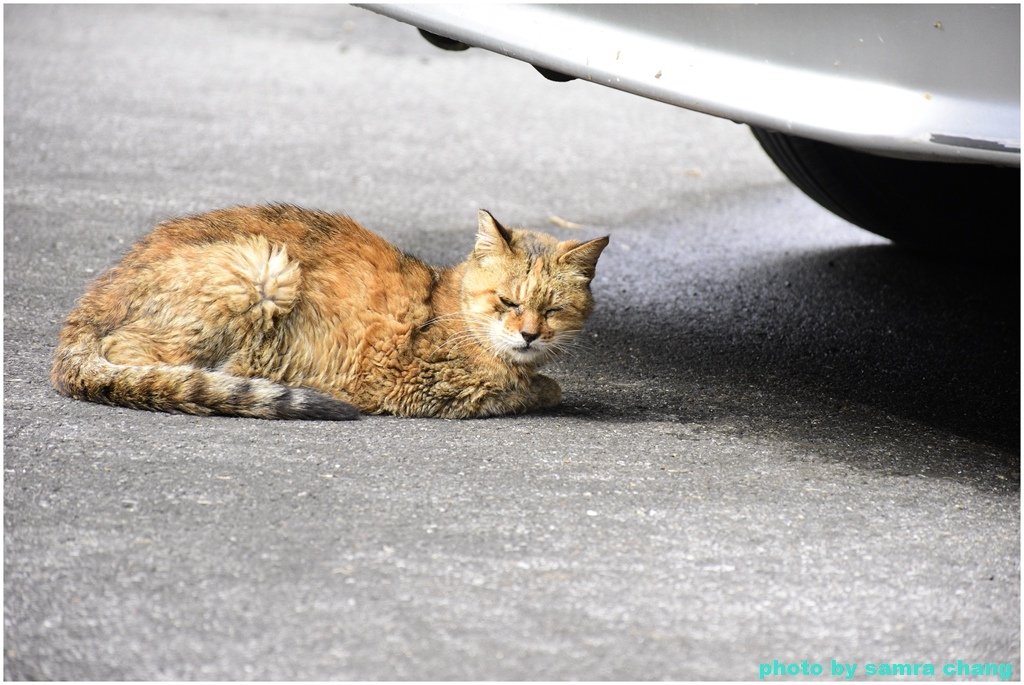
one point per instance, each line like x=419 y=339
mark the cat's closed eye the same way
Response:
x=509 y=304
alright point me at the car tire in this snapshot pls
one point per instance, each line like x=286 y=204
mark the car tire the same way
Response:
x=959 y=209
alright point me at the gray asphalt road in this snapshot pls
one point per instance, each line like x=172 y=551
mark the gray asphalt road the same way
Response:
x=785 y=438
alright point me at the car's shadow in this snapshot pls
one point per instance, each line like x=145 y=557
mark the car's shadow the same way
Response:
x=873 y=330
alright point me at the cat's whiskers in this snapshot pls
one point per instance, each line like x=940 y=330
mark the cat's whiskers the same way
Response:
x=569 y=343
x=473 y=332
x=441 y=317
x=456 y=343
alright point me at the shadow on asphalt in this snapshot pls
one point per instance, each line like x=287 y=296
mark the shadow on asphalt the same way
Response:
x=878 y=327
x=909 y=334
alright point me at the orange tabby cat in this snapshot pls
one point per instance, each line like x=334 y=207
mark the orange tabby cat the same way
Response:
x=283 y=313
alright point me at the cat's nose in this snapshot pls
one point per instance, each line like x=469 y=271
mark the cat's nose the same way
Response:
x=530 y=337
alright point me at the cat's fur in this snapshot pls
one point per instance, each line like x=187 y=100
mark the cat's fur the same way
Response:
x=280 y=312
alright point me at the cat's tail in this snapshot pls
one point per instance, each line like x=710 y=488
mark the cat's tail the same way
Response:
x=82 y=372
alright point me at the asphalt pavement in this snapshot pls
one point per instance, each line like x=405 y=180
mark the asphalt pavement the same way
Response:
x=783 y=439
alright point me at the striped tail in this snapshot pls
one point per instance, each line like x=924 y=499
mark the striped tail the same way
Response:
x=81 y=372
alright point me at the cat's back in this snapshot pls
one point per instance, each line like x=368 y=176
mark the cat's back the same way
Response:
x=331 y=257
x=310 y=236
x=327 y=246
x=343 y=266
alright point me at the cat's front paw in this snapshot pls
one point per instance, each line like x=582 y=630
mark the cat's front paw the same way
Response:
x=546 y=392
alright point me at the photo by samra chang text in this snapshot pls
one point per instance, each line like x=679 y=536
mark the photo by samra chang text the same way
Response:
x=959 y=668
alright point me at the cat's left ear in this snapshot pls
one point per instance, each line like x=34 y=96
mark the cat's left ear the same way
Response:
x=491 y=237
x=582 y=256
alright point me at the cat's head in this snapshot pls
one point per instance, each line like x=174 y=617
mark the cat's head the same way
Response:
x=526 y=295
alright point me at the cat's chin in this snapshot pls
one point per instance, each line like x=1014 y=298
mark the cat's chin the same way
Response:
x=526 y=355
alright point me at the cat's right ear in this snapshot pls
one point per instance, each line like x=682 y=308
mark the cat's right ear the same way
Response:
x=492 y=239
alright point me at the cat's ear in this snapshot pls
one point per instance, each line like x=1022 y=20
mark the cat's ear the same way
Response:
x=491 y=237
x=582 y=257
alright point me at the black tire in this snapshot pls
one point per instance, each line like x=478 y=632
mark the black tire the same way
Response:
x=961 y=209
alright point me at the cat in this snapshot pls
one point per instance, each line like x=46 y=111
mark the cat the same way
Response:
x=280 y=312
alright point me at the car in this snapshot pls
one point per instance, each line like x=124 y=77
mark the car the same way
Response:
x=902 y=119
